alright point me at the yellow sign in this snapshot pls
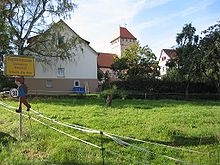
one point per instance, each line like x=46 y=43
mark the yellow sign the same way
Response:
x=19 y=66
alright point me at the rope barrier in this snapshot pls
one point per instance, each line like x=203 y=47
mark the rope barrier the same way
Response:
x=112 y=136
x=129 y=138
x=158 y=144
x=66 y=125
x=85 y=129
x=153 y=143
x=123 y=143
x=76 y=138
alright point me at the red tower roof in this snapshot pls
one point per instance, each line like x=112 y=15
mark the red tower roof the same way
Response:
x=124 y=33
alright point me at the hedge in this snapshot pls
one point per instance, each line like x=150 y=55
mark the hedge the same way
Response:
x=161 y=86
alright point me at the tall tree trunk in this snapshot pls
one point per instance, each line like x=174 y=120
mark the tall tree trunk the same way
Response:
x=21 y=47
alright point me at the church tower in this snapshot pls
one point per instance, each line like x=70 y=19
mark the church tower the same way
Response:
x=122 y=41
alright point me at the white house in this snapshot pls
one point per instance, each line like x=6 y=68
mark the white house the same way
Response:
x=165 y=55
x=60 y=77
x=122 y=41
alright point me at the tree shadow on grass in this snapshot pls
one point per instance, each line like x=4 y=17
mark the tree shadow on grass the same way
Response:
x=121 y=104
x=189 y=141
x=69 y=101
x=6 y=138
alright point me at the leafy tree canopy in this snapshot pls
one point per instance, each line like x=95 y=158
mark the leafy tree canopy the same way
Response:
x=136 y=62
x=26 y=18
x=210 y=54
x=187 y=58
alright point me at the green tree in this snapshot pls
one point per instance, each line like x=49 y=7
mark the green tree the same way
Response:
x=5 y=35
x=210 y=53
x=185 y=67
x=26 y=18
x=136 y=62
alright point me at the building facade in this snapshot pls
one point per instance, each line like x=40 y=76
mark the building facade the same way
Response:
x=165 y=55
x=59 y=76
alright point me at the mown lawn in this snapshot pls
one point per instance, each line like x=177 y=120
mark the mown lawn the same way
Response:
x=191 y=125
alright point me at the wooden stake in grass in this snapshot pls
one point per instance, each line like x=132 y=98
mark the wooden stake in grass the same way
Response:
x=109 y=101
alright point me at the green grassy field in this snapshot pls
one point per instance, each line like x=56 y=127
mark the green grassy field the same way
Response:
x=187 y=125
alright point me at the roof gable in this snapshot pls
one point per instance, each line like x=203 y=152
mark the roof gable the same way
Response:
x=61 y=22
x=169 y=52
x=124 y=33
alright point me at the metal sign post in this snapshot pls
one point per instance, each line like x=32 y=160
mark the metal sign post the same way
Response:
x=19 y=66
x=14 y=93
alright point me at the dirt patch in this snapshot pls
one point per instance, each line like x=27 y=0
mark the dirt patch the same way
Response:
x=218 y=136
x=2 y=122
x=35 y=154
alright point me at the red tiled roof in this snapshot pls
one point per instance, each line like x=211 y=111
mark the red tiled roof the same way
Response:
x=170 y=52
x=124 y=33
x=105 y=60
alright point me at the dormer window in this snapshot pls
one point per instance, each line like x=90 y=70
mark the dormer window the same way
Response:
x=60 y=40
x=163 y=58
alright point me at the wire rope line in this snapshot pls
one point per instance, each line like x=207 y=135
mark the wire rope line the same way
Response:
x=115 y=139
x=119 y=141
x=123 y=143
x=153 y=143
x=66 y=125
x=84 y=129
x=159 y=144
x=62 y=132
x=55 y=121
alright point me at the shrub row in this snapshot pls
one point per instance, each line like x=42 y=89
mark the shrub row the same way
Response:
x=160 y=86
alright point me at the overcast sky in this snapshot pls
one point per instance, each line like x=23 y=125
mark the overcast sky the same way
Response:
x=152 y=22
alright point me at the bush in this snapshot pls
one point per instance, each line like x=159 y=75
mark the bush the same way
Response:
x=114 y=92
x=160 y=86
x=6 y=83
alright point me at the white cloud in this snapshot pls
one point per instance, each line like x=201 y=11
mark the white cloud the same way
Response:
x=98 y=20
x=193 y=9
x=167 y=39
x=186 y=12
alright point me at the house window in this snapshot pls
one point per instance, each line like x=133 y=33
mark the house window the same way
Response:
x=164 y=69
x=60 y=40
x=49 y=83
x=61 y=72
x=76 y=83
x=164 y=58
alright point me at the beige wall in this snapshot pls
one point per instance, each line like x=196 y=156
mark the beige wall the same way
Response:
x=119 y=45
x=59 y=86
